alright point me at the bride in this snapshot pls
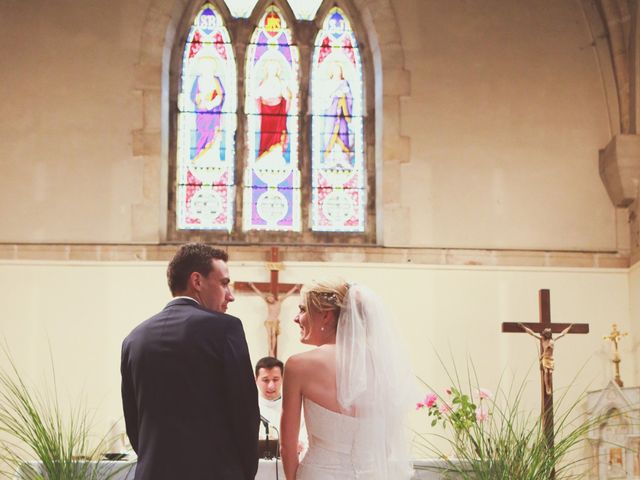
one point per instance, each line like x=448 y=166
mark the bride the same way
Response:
x=356 y=389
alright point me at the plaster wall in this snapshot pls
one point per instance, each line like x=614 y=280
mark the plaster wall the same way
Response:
x=81 y=311
x=506 y=116
x=500 y=124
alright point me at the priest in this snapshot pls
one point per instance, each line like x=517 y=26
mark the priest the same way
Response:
x=269 y=373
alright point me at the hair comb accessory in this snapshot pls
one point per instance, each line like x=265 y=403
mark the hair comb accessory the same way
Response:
x=332 y=298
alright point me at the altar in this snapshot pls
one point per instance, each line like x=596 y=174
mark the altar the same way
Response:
x=615 y=441
x=267 y=470
x=125 y=470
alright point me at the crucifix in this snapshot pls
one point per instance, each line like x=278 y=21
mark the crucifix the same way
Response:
x=544 y=331
x=614 y=337
x=269 y=291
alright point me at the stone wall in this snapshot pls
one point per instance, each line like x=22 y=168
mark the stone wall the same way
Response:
x=488 y=124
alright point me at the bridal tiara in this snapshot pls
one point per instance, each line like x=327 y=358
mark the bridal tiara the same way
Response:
x=332 y=298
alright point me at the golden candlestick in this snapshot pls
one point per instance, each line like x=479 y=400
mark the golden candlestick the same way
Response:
x=614 y=337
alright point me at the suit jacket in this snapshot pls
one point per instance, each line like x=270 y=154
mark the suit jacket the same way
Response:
x=189 y=396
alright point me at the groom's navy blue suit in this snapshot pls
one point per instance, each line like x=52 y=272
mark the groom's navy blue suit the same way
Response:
x=189 y=396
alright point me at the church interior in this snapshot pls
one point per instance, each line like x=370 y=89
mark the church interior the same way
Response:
x=497 y=154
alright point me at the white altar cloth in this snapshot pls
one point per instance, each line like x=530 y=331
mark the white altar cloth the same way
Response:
x=424 y=470
x=104 y=468
x=126 y=470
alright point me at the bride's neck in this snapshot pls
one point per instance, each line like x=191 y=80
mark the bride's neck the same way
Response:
x=329 y=339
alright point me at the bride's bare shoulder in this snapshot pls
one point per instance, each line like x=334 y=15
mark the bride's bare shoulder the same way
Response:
x=310 y=359
x=295 y=361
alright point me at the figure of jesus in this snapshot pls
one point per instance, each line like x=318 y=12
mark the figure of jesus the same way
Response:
x=547 y=343
x=272 y=323
x=273 y=97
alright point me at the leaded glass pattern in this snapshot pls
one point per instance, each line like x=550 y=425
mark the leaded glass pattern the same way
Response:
x=305 y=9
x=338 y=168
x=272 y=177
x=207 y=104
x=241 y=8
x=302 y=9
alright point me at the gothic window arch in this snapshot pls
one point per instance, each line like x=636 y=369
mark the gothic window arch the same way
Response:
x=338 y=170
x=206 y=119
x=272 y=106
x=271 y=124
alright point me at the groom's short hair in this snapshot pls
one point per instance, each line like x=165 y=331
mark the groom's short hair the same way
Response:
x=268 y=363
x=191 y=257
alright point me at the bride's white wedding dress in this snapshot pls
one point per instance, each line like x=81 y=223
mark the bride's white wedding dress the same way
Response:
x=331 y=454
x=373 y=378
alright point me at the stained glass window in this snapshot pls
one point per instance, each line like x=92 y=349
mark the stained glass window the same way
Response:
x=305 y=9
x=271 y=176
x=302 y=9
x=241 y=8
x=207 y=104
x=265 y=188
x=338 y=169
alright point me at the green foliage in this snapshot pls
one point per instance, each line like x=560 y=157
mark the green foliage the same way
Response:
x=33 y=426
x=494 y=438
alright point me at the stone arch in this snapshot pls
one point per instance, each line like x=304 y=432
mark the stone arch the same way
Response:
x=615 y=38
x=151 y=139
x=617 y=20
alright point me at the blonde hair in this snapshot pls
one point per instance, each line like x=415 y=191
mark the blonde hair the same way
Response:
x=324 y=296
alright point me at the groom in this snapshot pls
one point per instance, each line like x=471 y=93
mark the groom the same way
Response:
x=190 y=401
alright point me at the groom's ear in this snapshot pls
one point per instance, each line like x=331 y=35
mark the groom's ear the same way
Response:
x=195 y=281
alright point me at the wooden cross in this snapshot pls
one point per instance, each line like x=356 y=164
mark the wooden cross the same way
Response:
x=269 y=291
x=545 y=329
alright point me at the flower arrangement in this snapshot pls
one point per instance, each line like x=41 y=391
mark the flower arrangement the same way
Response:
x=458 y=410
x=491 y=437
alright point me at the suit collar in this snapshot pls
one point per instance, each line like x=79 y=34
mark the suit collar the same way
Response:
x=183 y=301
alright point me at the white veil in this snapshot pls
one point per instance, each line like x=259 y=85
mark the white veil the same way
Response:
x=375 y=382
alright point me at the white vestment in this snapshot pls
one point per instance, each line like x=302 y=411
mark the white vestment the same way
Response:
x=272 y=411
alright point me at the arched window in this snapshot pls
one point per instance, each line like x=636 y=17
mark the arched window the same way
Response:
x=338 y=169
x=291 y=163
x=272 y=177
x=207 y=105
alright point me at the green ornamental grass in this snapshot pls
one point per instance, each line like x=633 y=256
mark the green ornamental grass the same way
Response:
x=492 y=437
x=34 y=427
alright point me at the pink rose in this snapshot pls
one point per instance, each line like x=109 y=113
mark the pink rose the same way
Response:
x=430 y=400
x=481 y=415
x=419 y=405
x=444 y=408
x=484 y=394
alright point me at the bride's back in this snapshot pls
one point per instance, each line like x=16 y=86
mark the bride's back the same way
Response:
x=356 y=352
x=318 y=377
